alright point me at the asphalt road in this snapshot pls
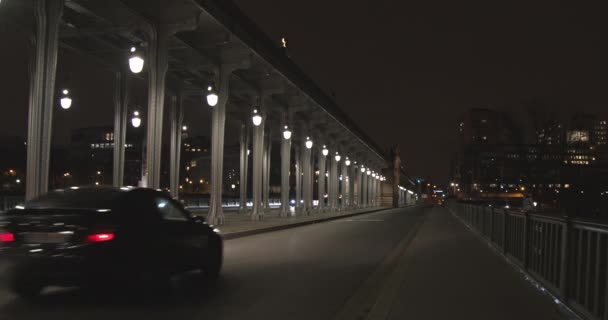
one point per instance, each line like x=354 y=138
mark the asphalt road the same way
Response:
x=311 y=272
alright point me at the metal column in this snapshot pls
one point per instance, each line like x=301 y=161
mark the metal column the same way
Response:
x=244 y=157
x=285 y=164
x=343 y=190
x=266 y=170
x=333 y=178
x=307 y=179
x=177 y=118
x=42 y=93
x=298 y=179
x=121 y=100
x=258 y=172
x=321 y=181
x=218 y=122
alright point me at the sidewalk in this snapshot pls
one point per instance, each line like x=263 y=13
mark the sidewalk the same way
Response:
x=447 y=272
x=240 y=224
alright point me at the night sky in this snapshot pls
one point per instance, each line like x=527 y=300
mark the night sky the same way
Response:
x=403 y=70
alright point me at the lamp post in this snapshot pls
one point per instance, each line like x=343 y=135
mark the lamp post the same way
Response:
x=287 y=133
x=212 y=96
x=308 y=143
x=256 y=118
x=136 y=120
x=136 y=61
x=65 y=101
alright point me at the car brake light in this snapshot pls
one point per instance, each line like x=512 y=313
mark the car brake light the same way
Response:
x=7 y=237
x=100 y=237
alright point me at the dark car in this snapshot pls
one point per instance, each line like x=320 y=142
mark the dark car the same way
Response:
x=94 y=235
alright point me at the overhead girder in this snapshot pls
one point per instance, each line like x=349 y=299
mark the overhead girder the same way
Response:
x=195 y=56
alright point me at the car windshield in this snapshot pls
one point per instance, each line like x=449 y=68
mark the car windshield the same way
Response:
x=88 y=198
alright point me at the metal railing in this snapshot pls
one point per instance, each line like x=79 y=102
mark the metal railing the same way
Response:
x=9 y=202
x=202 y=202
x=567 y=256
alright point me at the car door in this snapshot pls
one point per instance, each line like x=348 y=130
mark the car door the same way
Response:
x=144 y=242
x=186 y=239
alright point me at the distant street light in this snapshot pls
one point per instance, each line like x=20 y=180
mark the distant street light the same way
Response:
x=136 y=62
x=308 y=143
x=337 y=157
x=368 y=172
x=325 y=151
x=66 y=101
x=347 y=162
x=257 y=118
x=212 y=97
x=362 y=169
x=184 y=128
x=287 y=133
x=136 y=120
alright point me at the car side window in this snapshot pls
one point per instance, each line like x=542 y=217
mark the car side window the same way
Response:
x=169 y=210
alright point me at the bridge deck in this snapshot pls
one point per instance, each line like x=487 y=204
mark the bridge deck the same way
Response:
x=448 y=272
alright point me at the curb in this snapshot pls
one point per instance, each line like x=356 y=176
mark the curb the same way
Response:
x=251 y=232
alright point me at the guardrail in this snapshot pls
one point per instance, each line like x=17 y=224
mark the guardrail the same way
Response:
x=9 y=202
x=567 y=256
x=203 y=202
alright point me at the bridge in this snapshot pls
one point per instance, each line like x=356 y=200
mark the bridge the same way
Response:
x=367 y=261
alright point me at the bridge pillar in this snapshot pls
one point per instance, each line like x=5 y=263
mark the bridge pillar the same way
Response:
x=258 y=166
x=344 y=190
x=307 y=178
x=321 y=181
x=177 y=119
x=285 y=164
x=370 y=189
x=351 y=186
x=218 y=123
x=43 y=68
x=266 y=169
x=359 y=185
x=243 y=166
x=298 y=172
x=121 y=99
x=333 y=178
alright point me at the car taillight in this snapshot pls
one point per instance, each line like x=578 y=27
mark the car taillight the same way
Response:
x=7 y=237
x=100 y=237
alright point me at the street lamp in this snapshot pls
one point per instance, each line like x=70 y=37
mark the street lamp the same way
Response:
x=337 y=157
x=136 y=62
x=368 y=172
x=257 y=118
x=66 y=101
x=136 y=120
x=184 y=128
x=212 y=97
x=347 y=162
x=362 y=169
x=287 y=133
x=308 y=143
x=325 y=151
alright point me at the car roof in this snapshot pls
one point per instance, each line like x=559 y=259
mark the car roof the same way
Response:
x=90 y=197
